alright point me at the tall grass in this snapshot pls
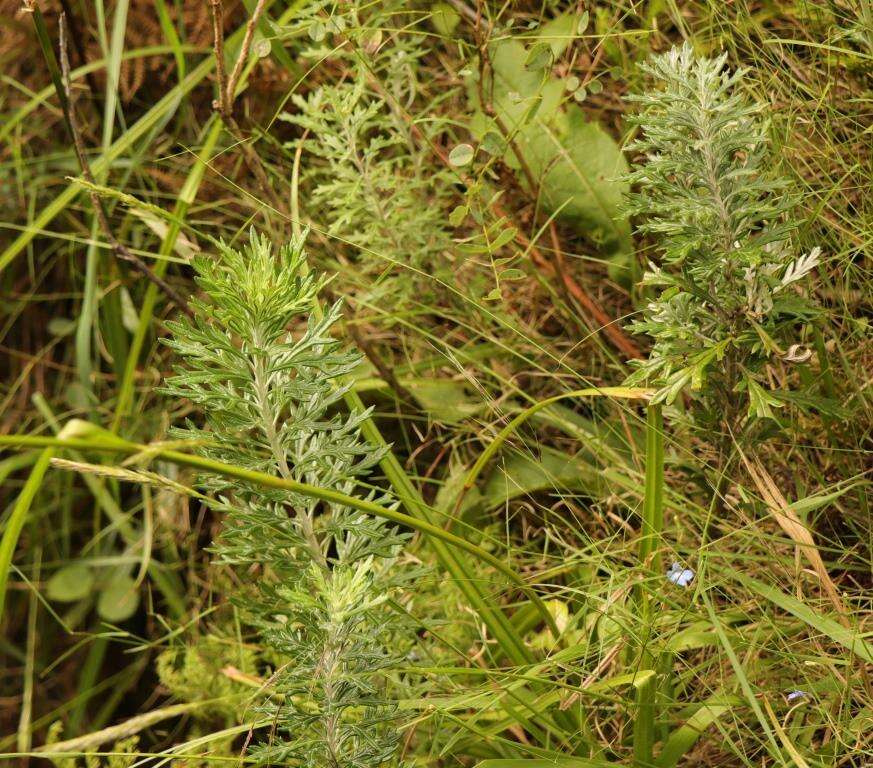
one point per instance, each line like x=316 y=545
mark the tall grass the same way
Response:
x=547 y=501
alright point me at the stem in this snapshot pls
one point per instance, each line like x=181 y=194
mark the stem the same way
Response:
x=109 y=443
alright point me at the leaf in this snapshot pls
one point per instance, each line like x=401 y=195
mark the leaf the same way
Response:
x=850 y=639
x=520 y=475
x=61 y=326
x=760 y=401
x=558 y=761
x=578 y=166
x=493 y=143
x=683 y=738
x=461 y=155
x=539 y=57
x=70 y=583
x=458 y=214
x=118 y=600
x=446 y=401
x=444 y=19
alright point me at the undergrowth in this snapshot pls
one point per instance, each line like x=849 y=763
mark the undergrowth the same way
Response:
x=392 y=384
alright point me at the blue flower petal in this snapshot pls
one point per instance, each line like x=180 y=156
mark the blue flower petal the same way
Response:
x=680 y=576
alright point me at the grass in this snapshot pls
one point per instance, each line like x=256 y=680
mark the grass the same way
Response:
x=547 y=500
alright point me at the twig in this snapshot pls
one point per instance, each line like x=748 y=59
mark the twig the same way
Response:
x=103 y=220
x=226 y=92
x=385 y=372
x=230 y=90
x=221 y=104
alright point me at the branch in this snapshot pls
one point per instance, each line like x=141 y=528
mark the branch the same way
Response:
x=226 y=91
x=103 y=220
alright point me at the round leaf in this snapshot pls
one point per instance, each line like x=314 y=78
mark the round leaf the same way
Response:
x=539 y=57
x=70 y=583
x=118 y=600
x=461 y=155
x=317 y=31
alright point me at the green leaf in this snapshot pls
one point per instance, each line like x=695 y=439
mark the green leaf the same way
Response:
x=118 y=600
x=683 y=738
x=444 y=19
x=578 y=166
x=70 y=583
x=851 y=639
x=506 y=236
x=539 y=57
x=461 y=155
x=493 y=143
x=458 y=214
x=446 y=401
x=545 y=762
x=760 y=401
x=520 y=475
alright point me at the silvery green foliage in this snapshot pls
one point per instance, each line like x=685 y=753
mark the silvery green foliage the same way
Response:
x=366 y=178
x=722 y=220
x=322 y=572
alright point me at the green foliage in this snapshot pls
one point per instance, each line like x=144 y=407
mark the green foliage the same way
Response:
x=366 y=178
x=324 y=574
x=575 y=165
x=195 y=672
x=729 y=304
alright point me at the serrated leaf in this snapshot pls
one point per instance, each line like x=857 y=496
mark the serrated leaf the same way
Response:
x=70 y=583
x=761 y=401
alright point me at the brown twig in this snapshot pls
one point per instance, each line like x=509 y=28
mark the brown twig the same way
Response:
x=226 y=92
x=221 y=104
x=233 y=81
x=102 y=218
x=384 y=371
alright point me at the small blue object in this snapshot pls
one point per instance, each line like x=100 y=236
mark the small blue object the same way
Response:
x=680 y=576
x=796 y=695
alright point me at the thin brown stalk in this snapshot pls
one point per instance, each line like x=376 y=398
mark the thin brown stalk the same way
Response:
x=227 y=91
x=233 y=81
x=118 y=248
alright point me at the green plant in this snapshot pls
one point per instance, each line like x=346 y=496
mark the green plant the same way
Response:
x=729 y=307
x=324 y=572
x=365 y=164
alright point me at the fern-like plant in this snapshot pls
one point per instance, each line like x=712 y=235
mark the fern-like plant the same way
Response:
x=367 y=177
x=728 y=305
x=262 y=366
